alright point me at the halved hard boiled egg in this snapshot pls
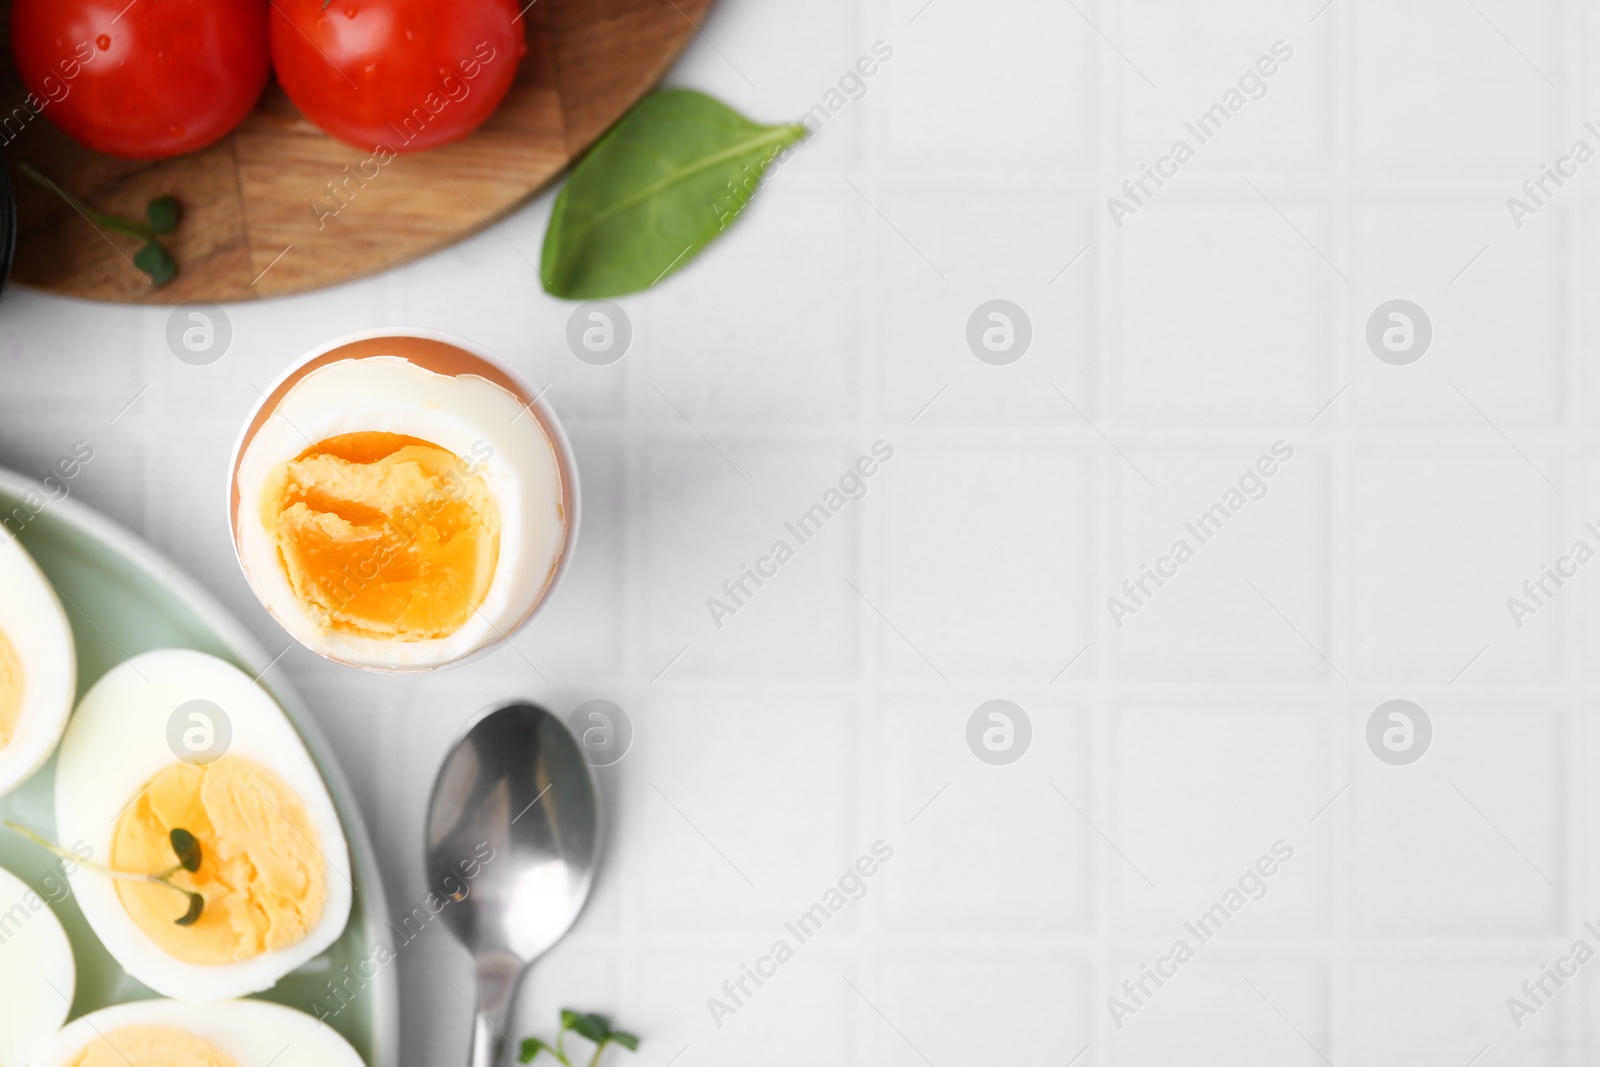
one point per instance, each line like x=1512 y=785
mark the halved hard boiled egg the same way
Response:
x=38 y=667
x=179 y=740
x=169 y=1033
x=400 y=503
x=37 y=973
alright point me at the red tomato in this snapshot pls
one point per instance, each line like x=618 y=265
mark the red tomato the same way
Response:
x=397 y=74
x=142 y=80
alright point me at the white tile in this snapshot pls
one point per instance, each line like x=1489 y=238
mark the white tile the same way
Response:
x=1448 y=1009
x=1035 y=253
x=1209 y=1005
x=1441 y=540
x=1443 y=89
x=1201 y=56
x=801 y=1014
x=1252 y=602
x=1470 y=839
x=1214 y=805
x=1560 y=601
x=1221 y=311
x=1494 y=301
x=955 y=987
x=964 y=113
x=705 y=523
x=768 y=835
x=1582 y=221
x=985 y=570
x=999 y=851
x=716 y=352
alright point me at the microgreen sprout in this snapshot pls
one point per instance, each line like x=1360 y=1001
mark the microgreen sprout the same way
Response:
x=596 y=1028
x=161 y=217
x=185 y=848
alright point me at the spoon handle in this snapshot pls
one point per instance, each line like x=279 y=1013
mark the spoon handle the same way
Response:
x=498 y=975
x=486 y=1043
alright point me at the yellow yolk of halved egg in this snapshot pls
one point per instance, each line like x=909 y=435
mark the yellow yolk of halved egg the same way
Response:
x=150 y=1046
x=384 y=536
x=11 y=684
x=261 y=874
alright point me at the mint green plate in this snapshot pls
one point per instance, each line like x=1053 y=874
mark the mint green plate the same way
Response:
x=123 y=598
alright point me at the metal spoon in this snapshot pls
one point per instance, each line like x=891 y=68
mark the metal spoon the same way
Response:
x=516 y=783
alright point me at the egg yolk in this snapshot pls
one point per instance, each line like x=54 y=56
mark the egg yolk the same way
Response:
x=263 y=879
x=150 y=1046
x=10 y=690
x=383 y=536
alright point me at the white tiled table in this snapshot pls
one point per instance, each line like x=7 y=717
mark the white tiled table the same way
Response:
x=1226 y=715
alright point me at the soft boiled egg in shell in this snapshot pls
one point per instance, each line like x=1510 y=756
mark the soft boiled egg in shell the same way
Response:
x=275 y=866
x=37 y=972
x=401 y=502
x=38 y=666
x=170 y=1033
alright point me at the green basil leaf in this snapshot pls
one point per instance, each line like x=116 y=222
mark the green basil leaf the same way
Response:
x=569 y=1019
x=197 y=904
x=653 y=192
x=530 y=1048
x=162 y=213
x=186 y=848
x=626 y=1040
x=593 y=1027
x=156 y=262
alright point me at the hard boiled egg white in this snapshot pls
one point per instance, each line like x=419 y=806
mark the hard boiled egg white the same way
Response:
x=384 y=558
x=38 y=667
x=139 y=721
x=161 y=1033
x=36 y=970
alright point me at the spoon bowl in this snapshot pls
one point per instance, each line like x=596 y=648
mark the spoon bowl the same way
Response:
x=514 y=812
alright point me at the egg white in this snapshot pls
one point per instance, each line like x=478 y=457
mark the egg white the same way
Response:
x=117 y=742
x=32 y=620
x=464 y=414
x=37 y=972
x=249 y=1032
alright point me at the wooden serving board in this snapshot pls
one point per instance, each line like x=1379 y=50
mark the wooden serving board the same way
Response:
x=248 y=226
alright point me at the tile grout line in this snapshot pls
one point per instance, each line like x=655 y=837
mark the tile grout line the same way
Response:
x=1574 y=874
x=1102 y=697
x=1338 y=25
